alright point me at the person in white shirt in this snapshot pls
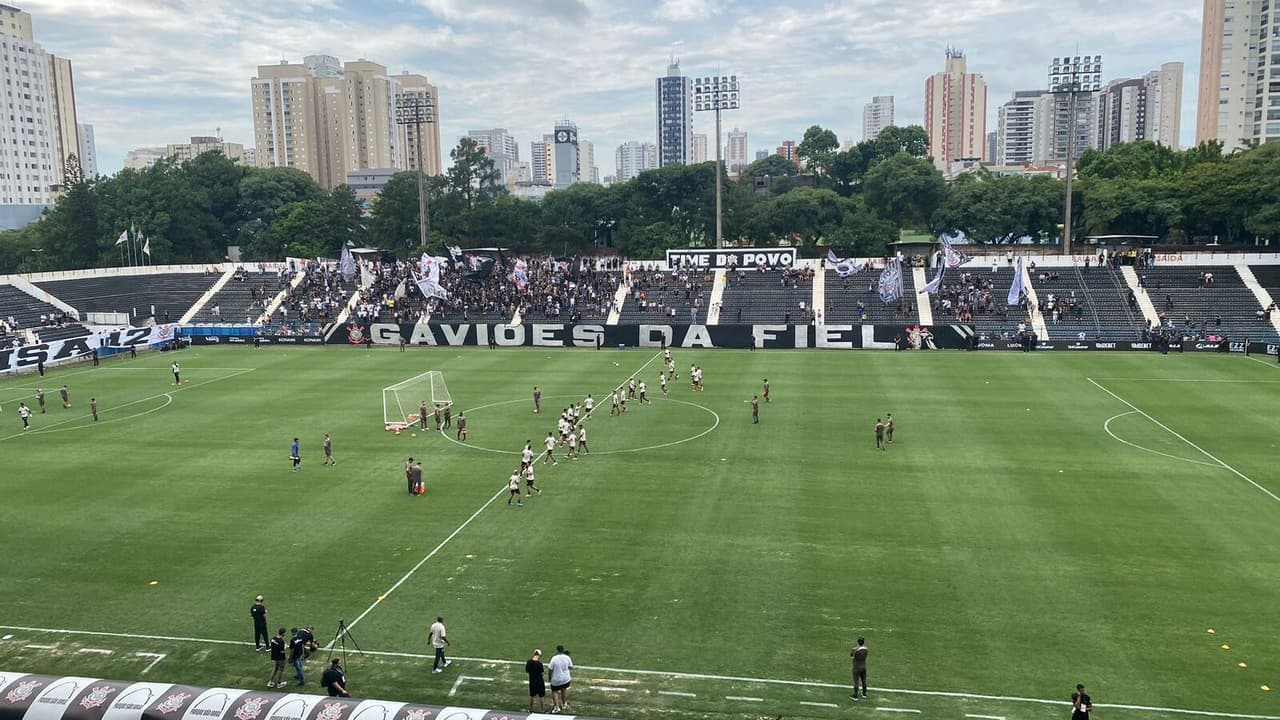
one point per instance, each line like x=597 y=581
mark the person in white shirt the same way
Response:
x=550 y=445
x=513 y=485
x=643 y=399
x=558 y=673
x=438 y=641
x=582 y=439
x=662 y=382
x=526 y=455
x=613 y=410
x=589 y=404
x=573 y=445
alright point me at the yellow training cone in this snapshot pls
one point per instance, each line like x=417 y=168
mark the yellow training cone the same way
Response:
x=155 y=582
x=1226 y=647
x=1241 y=665
x=1212 y=632
x=1266 y=688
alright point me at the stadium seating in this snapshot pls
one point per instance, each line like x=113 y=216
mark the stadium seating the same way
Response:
x=1268 y=276
x=1177 y=295
x=844 y=294
x=661 y=293
x=24 y=309
x=1102 y=296
x=755 y=297
x=172 y=294
x=236 y=300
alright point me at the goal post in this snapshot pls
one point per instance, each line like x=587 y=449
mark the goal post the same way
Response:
x=400 y=402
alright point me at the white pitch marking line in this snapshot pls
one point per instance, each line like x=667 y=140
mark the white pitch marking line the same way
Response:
x=41 y=647
x=606 y=688
x=985 y=717
x=1187 y=380
x=1202 y=451
x=684 y=675
x=743 y=698
x=1264 y=362
x=39 y=430
x=457 y=530
x=674 y=693
x=818 y=704
x=6 y=637
x=1107 y=427
x=456 y=683
x=98 y=651
x=158 y=657
x=898 y=710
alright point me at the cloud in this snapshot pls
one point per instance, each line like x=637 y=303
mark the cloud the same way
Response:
x=687 y=10
x=151 y=72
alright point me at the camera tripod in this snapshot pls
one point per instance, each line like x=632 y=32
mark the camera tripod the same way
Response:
x=340 y=641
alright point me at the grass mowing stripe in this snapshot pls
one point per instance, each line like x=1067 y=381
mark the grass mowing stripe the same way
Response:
x=1202 y=451
x=462 y=527
x=678 y=675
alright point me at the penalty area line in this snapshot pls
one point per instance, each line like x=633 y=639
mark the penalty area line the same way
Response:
x=1194 y=446
x=689 y=676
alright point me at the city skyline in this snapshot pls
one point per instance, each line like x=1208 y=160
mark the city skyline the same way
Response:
x=147 y=74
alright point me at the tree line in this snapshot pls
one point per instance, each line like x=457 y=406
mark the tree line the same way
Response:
x=857 y=199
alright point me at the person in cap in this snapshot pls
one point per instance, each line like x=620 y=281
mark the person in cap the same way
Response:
x=534 y=668
x=261 y=636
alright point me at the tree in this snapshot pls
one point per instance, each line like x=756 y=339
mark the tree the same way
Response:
x=988 y=208
x=771 y=166
x=471 y=181
x=817 y=149
x=906 y=190
x=394 y=218
x=912 y=140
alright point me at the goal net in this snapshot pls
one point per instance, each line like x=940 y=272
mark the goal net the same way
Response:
x=401 y=402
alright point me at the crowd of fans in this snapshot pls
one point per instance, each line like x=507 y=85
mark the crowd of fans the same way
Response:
x=974 y=294
x=672 y=294
x=318 y=298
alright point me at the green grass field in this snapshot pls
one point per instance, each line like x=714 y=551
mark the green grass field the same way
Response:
x=1040 y=520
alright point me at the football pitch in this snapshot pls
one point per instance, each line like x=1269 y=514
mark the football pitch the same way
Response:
x=1039 y=520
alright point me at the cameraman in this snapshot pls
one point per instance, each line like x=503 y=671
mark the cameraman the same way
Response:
x=335 y=680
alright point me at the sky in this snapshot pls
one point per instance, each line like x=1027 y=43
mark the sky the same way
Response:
x=154 y=72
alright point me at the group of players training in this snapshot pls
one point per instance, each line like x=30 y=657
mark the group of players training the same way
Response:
x=571 y=429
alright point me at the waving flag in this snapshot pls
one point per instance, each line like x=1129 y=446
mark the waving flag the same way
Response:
x=1018 y=287
x=953 y=258
x=846 y=267
x=455 y=253
x=481 y=267
x=347 y=265
x=890 y=283
x=431 y=287
x=521 y=274
x=936 y=283
x=124 y=238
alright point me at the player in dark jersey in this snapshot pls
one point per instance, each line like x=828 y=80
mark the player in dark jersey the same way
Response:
x=328 y=451
x=537 y=400
x=859 y=655
x=422 y=415
x=879 y=433
x=766 y=390
x=93 y=407
x=1081 y=703
x=462 y=426
x=295 y=455
x=65 y=395
x=448 y=415
x=755 y=409
x=40 y=399
x=439 y=417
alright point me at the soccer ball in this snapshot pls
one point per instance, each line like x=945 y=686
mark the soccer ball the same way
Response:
x=615 y=364
x=397 y=432
x=413 y=435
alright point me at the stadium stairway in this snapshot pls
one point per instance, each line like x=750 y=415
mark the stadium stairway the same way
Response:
x=619 y=299
x=1033 y=305
x=717 y=298
x=1264 y=297
x=820 y=295
x=1144 y=301
x=191 y=312
x=925 y=308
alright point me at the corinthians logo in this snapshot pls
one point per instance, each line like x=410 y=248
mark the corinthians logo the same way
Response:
x=22 y=691
x=96 y=697
x=355 y=334
x=331 y=711
x=173 y=703
x=250 y=708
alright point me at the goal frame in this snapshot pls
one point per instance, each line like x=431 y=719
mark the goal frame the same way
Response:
x=410 y=415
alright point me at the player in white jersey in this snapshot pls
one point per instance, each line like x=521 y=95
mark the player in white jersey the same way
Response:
x=563 y=427
x=662 y=381
x=550 y=446
x=631 y=389
x=589 y=405
x=528 y=481
x=573 y=445
x=613 y=409
x=693 y=376
x=513 y=485
x=577 y=414
x=582 y=439
x=671 y=370
x=644 y=400
x=526 y=455
x=666 y=355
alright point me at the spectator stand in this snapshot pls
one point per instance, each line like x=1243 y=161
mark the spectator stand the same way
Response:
x=1206 y=302
x=676 y=296
x=855 y=300
x=288 y=280
x=1264 y=282
x=28 y=319
x=318 y=294
x=759 y=295
x=240 y=298
x=979 y=297
x=162 y=293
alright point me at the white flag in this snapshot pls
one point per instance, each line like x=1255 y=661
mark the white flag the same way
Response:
x=1018 y=287
x=124 y=238
x=889 y=286
x=846 y=267
x=936 y=283
x=953 y=257
x=521 y=274
x=431 y=288
x=347 y=265
x=146 y=247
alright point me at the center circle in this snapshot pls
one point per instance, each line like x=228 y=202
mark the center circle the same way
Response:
x=715 y=422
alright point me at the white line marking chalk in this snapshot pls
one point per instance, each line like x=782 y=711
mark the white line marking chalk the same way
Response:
x=99 y=651
x=454 y=690
x=41 y=647
x=606 y=688
x=674 y=693
x=818 y=704
x=901 y=710
x=984 y=717
x=744 y=698
x=158 y=657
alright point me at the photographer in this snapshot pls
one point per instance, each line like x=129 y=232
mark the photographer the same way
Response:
x=335 y=680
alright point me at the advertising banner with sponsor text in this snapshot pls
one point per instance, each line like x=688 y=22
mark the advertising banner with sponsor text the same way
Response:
x=13 y=359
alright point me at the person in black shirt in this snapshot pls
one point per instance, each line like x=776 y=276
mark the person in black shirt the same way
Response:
x=335 y=680
x=534 y=668
x=1081 y=704
x=297 y=653
x=277 y=656
x=261 y=636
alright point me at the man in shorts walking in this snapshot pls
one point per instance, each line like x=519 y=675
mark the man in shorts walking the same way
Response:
x=462 y=426
x=550 y=446
x=513 y=487
x=879 y=434
x=560 y=678
x=888 y=428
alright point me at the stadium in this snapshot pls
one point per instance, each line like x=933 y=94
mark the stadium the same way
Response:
x=1079 y=488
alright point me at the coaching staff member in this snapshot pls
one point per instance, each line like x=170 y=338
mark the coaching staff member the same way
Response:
x=335 y=680
x=859 y=655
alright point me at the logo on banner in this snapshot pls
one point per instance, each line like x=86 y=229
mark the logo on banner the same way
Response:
x=250 y=708
x=96 y=697
x=417 y=714
x=22 y=691
x=164 y=332
x=331 y=711
x=173 y=703
x=355 y=334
